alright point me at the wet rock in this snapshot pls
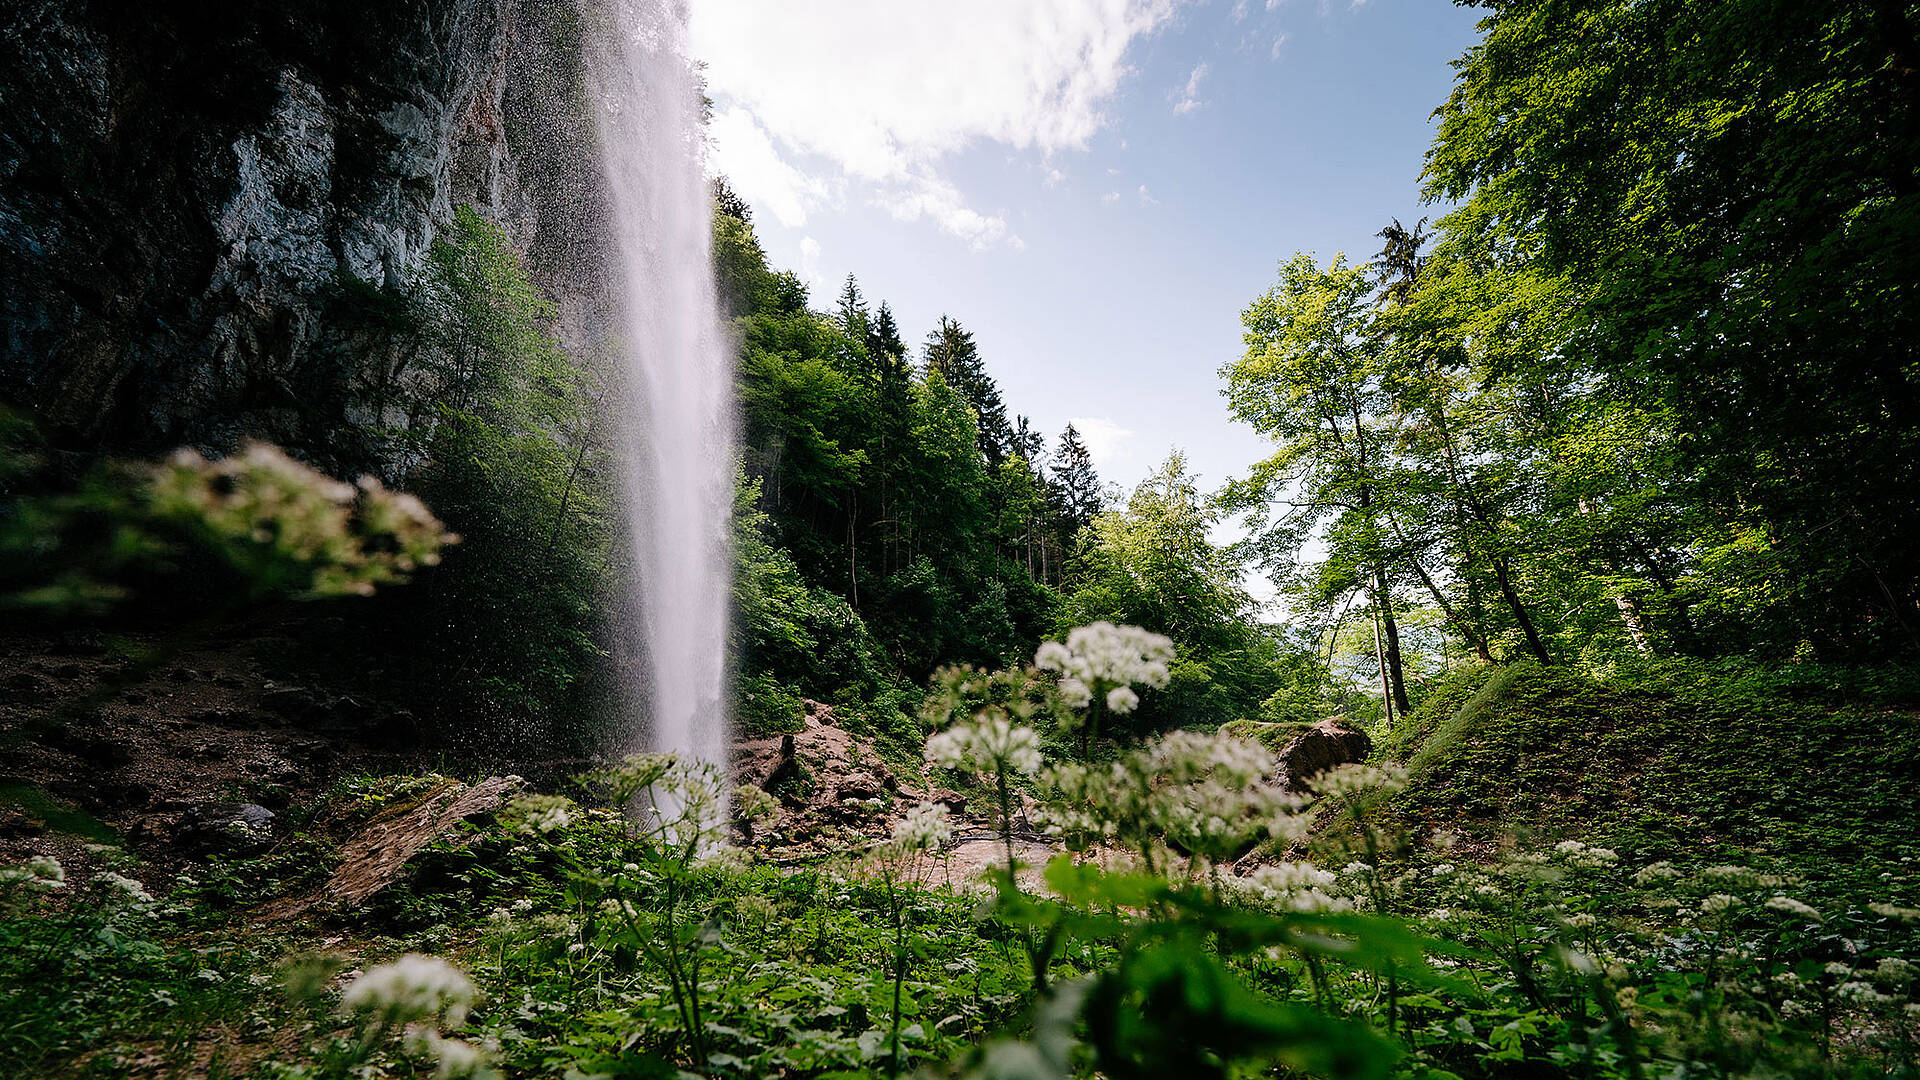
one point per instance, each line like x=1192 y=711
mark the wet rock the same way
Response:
x=238 y=827
x=198 y=209
x=861 y=785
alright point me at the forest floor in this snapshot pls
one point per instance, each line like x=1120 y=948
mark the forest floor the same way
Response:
x=1720 y=794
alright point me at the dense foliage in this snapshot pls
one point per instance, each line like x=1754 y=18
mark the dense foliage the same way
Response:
x=1595 y=507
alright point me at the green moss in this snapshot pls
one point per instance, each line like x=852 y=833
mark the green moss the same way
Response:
x=1669 y=763
x=1273 y=736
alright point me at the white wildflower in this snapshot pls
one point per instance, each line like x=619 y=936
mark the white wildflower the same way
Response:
x=1718 y=902
x=1652 y=872
x=1862 y=992
x=1581 y=921
x=1732 y=875
x=1891 y=912
x=39 y=872
x=1839 y=969
x=987 y=745
x=1385 y=778
x=1122 y=700
x=925 y=828
x=126 y=887
x=414 y=987
x=1894 y=969
x=1076 y=694
x=1103 y=653
x=542 y=814
x=1794 y=907
x=455 y=1059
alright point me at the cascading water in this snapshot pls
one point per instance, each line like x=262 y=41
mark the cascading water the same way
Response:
x=675 y=408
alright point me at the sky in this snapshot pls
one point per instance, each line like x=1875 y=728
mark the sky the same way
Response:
x=1095 y=188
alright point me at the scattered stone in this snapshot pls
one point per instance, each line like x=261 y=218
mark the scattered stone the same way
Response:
x=271 y=769
x=94 y=747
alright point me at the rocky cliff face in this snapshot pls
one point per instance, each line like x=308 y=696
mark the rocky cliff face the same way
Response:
x=202 y=205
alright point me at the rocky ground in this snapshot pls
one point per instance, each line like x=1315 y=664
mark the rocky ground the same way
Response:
x=211 y=748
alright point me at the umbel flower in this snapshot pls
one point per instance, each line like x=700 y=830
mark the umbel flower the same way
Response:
x=1107 y=660
x=412 y=988
x=39 y=872
x=1205 y=795
x=925 y=828
x=986 y=744
x=289 y=527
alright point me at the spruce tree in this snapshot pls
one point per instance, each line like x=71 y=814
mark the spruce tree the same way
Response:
x=951 y=351
x=883 y=337
x=1076 y=484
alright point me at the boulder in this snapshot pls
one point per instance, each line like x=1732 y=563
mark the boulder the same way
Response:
x=1327 y=744
x=226 y=826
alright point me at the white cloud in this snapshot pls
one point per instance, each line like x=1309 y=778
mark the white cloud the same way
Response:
x=929 y=196
x=810 y=270
x=876 y=93
x=1111 y=198
x=1106 y=440
x=1147 y=199
x=1054 y=177
x=1278 y=41
x=1189 y=97
x=757 y=174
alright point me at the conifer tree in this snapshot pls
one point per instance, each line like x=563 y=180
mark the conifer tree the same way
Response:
x=1076 y=484
x=951 y=351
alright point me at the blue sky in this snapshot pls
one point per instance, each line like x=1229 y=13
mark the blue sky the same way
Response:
x=1055 y=175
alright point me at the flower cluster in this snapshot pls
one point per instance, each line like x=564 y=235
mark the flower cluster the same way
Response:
x=39 y=872
x=926 y=827
x=1294 y=886
x=290 y=527
x=124 y=889
x=679 y=804
x=986 y=744
x=538 y=815
x=455 y=1059
x=1107 y=660
x=412 y=988
x=1205 y=795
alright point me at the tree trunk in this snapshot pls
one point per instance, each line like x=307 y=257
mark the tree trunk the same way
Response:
x=1534 y=643
x=1395 y=676
x=1380 y=657
x=1466 y=629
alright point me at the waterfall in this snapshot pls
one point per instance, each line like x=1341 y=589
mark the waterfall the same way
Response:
x=675 y=404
